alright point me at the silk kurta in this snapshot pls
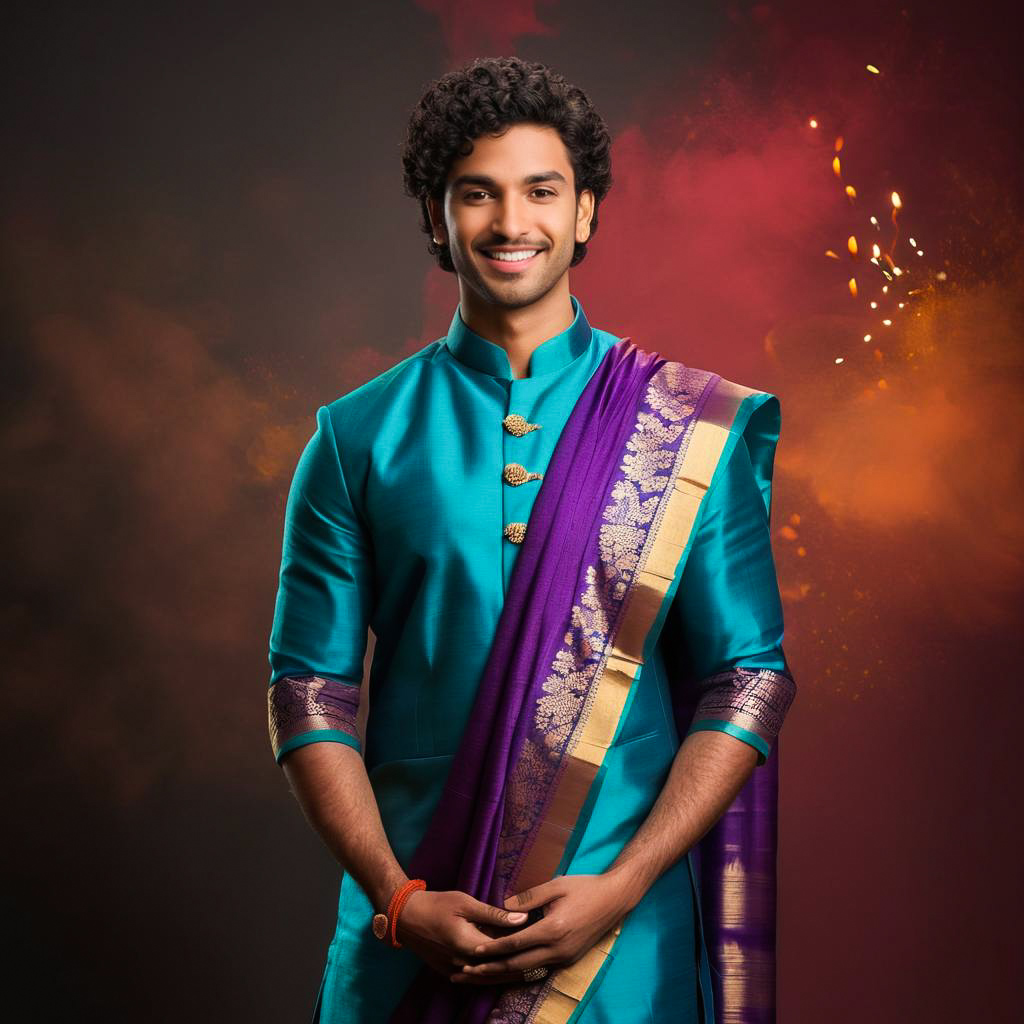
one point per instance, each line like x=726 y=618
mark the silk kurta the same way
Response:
x=402 y=518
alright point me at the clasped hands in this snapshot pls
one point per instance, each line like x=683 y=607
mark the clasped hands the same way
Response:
x=578 y=911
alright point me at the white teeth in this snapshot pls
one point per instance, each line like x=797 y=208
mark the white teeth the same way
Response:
x=513 y=257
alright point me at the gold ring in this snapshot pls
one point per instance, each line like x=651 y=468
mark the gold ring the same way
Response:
x=534 y=973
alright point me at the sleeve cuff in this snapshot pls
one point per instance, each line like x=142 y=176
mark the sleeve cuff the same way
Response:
x=317 y=736
x=748 y=703
x=310 y=708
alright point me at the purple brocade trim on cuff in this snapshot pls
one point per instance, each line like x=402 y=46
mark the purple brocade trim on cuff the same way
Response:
x=755 y=699
x=299 y=704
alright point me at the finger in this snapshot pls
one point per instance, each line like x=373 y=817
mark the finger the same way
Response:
x=541 y=956
x=535 y=896
x=484 y=913
x=469 y=936
x=538 y=934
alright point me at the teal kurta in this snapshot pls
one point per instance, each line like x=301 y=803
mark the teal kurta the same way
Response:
x=396 y=521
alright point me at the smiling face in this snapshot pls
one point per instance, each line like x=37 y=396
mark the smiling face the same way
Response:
x=513 y=197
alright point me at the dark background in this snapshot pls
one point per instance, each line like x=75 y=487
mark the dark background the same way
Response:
x=205 y=238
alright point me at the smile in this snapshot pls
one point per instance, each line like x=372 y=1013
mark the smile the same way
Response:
x=511 y=262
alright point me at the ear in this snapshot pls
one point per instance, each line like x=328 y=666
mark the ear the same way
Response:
x=584 y=214
x=436 y=214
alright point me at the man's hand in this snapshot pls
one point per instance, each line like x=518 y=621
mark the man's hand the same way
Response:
x=578 y=911
x=443 y=928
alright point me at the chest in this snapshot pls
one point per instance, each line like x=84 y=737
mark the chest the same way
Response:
x=449 y=472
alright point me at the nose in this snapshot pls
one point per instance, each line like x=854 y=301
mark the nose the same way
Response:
x=511 y=217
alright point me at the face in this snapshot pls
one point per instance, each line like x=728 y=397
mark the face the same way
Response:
x=515 y=193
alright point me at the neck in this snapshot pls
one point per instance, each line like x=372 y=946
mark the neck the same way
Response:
x=519 y=331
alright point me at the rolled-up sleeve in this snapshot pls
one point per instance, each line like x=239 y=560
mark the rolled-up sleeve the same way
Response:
x=323 y=607
x=729 y=612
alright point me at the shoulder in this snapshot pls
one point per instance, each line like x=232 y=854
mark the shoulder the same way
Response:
x=716 y=400
x=366 y=404
x=347 y=426
x=735 y=427
x=749 y=422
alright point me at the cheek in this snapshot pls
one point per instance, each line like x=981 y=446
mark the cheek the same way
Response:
x=570 y=225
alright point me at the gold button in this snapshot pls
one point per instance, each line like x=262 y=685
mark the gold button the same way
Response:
x=515 y=532
x=515 y=474
x=517 y=425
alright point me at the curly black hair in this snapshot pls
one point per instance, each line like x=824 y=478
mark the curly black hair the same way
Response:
x=486 y=96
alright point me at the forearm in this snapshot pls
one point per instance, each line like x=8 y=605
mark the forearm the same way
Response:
x=708 y=772
x=330 y=782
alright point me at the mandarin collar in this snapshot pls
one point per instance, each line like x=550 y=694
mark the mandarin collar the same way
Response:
x=554 y=354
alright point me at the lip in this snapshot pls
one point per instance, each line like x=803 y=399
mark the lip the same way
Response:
x=505 y=267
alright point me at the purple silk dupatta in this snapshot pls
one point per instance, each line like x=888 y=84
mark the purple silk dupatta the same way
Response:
x=524 y=765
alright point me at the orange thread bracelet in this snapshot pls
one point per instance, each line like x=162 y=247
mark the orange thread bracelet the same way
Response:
x=398 y=902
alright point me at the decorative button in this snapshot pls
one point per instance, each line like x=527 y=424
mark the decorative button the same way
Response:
x=515 y=532
x=515 y=474
x=517 y=425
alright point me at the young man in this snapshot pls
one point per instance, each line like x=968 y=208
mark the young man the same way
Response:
x=561 y=543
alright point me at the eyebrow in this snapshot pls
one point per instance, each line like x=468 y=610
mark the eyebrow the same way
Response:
x=488 y=182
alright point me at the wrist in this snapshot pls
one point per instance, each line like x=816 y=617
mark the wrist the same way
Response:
x=385 y=924
x=385 y=888
x=629 y=882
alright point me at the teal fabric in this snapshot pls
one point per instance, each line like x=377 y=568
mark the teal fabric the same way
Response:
x=728 y=610
x=394 y=521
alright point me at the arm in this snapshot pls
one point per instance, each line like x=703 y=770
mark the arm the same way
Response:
x=317 y=646
x=729 y=615
x=709 y=770
x=329 y=781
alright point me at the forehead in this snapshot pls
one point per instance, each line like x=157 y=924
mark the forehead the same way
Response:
x=521 y=150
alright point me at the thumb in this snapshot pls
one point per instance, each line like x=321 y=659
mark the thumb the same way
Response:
x=485 y=913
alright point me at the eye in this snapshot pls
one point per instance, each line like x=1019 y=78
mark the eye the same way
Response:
x=475 y=192
x=547 y=191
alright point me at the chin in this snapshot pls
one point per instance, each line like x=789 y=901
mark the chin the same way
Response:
x=517 y=294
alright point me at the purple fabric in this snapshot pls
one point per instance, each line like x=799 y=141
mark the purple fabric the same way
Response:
x=736 y=873
x=462 y=846
x=301 y=704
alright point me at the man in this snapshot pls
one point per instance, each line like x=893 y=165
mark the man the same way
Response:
x=561 y=544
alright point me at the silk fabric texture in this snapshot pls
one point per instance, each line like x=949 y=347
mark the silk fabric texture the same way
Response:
x=394 y=521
